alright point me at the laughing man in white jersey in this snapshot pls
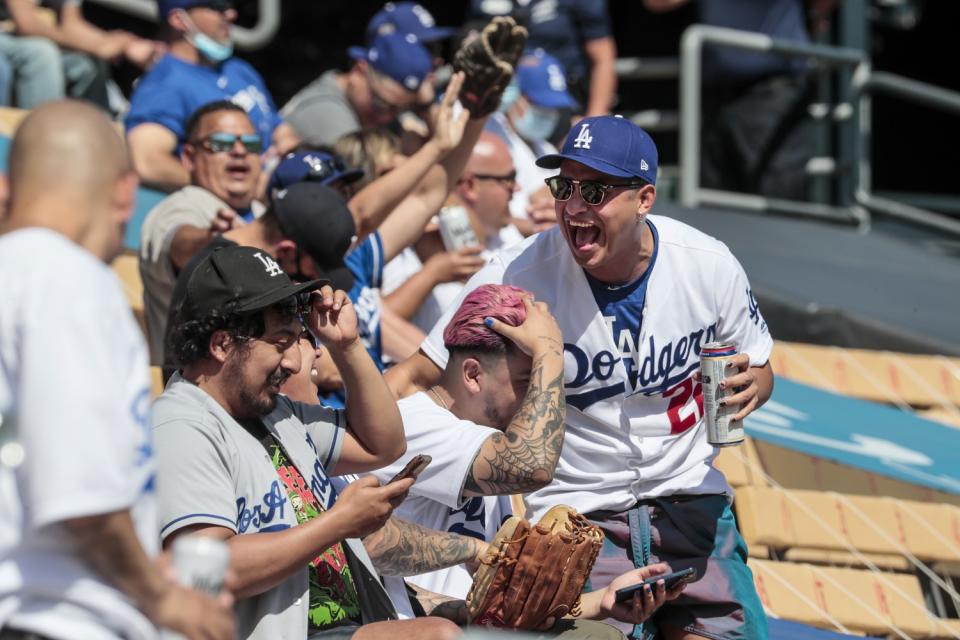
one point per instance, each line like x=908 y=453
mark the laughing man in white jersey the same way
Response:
x=636 y=297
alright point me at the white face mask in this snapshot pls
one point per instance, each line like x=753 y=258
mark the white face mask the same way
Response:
x=208 y=47
x=537 y=123
x=510 y=95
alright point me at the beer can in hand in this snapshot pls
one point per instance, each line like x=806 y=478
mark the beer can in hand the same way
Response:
x=722 y=430
x=201 y=563
x=455 y=228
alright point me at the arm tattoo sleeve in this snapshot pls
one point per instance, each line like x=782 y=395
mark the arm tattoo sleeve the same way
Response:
x=523 y=458
x=401 y=548
x=435 y=604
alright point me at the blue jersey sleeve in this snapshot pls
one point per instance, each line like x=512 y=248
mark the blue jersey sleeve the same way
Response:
x=592 y=18
x=152 y=101
x=366 y=262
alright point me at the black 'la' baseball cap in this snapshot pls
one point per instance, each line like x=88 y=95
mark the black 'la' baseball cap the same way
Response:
x=248 y=277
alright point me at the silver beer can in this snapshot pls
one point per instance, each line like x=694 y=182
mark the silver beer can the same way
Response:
x=455 y=228
x=722 y=430
x=201 y=562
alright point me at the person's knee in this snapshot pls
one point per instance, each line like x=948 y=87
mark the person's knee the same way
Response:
x=438 y=629
x=41 y=53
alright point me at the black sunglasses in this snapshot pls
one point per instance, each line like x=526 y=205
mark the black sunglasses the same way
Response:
x=508 y=179
x=591 y=191
x=225 y=142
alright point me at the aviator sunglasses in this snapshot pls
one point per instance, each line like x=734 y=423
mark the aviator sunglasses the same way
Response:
x=591 y=191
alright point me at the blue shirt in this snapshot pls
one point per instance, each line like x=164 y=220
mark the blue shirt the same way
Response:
x=622 y=310
x=173 y=89
x=560 y=27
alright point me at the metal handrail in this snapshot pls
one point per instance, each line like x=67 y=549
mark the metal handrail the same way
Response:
x=691 y=75
x=256 y=37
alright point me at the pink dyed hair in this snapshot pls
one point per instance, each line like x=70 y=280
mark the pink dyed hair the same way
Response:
x=466 y=329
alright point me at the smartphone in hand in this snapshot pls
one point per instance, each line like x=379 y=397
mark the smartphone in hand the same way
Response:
x=671 y=580
x=416 y=465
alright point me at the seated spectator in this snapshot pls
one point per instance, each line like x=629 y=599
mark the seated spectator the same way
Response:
x=530 y=110
x=494 y=425
x=199 y=68
x=382 y=83
x=222 y=159
x=65 y=56
x=313 y=165
x=239 y=458
x=376 y=151
x=431 y=277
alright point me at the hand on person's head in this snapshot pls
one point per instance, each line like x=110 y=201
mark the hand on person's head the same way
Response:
x=538 y=333
x=333 y=320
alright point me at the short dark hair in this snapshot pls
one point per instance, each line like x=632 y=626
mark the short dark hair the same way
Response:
x=189 y=340
x=193 y=122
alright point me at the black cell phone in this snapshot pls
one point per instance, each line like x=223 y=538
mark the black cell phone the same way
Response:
x=416 y=465
x=671 y=580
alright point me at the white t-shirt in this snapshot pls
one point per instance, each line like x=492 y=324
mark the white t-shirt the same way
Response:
x=73 y=371
x=407 y=263
x=623 y=441
x=435 y=500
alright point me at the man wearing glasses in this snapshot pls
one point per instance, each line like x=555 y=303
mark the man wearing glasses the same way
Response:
x=222 y=158
x=636 y=297
x=381 y=84
x=199 y=68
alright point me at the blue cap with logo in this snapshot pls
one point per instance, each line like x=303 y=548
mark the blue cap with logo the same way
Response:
x=609 y=144
x=406 y=17
x=311 y=166
x=398 y=56
x=542 y=81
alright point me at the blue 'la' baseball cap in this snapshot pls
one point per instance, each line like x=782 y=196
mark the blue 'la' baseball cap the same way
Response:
x=406 y=17
x=311 y=166
x=609 y=144
x=399 y=56
x=542 y=81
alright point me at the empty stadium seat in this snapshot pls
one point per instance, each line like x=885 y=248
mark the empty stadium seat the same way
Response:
x=764 y=517
x=127 y=268
x=788 y=591
x=740 y=465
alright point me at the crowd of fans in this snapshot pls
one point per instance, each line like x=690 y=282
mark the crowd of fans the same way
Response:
x=301 y=276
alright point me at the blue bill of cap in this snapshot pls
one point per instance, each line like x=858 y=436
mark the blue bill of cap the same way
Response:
x=553 y=161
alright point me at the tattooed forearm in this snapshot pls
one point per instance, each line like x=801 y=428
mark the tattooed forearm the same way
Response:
x=401 y=548
x=524 y=457
x=435 y=604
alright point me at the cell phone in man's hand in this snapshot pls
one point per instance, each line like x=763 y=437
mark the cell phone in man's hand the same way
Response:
x=670 y=580
x=413 y=468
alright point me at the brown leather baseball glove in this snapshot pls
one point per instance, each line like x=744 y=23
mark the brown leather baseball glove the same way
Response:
x=534 y=574
x=488 y=61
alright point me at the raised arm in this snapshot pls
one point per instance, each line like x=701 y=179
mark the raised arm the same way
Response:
x=375 y=435
x=152 y=147
x=524 y=457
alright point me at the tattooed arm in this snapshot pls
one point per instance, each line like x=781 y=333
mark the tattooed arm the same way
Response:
x=524 y=456
x=401 y=548
x=441 y=606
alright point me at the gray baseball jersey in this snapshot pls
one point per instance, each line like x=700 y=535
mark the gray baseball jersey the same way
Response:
x=214 y=472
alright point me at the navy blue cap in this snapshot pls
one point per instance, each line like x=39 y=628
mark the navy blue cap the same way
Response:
x=312 y=166
x=542 y=81
x=609 y=144
x=399 y=56
x=164 y=7
x=406 y=17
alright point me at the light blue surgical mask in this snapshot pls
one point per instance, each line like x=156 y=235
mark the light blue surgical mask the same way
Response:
x=208 y=47
x=510 y=95
x=537 y=123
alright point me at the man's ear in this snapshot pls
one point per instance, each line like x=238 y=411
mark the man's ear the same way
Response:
x=285 y=251
x=221 y=344
x=176 y=22
x=188 y=154
x=647 y=196
x=471 y=370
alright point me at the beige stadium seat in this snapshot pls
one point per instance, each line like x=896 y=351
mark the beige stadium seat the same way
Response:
x=848 y=559
x=788 y=591
x=764 y=517
x=740 y=464
x=156 y=381
x=127 y=268
x=855 y=598
x=10 y=119
x=818 y=520
x=932 y=530
x=874 y=525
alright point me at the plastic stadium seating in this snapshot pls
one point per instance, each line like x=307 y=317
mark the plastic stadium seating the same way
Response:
x=127 y=269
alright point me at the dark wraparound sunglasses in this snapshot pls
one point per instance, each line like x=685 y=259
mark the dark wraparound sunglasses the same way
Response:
x=591 y=191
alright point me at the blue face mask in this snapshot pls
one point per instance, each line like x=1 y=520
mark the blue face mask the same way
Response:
x=537 y=123
x=510 y=96
x=208 y=47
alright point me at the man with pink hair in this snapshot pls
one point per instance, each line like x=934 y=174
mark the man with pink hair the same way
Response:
x=494 y=426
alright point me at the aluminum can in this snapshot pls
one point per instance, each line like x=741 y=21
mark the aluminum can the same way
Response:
x=455 y=228
x=722 y=430
x=201 y=562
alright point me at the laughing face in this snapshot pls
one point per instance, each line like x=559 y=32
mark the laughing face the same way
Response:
x=606 y=239
x=230 y=175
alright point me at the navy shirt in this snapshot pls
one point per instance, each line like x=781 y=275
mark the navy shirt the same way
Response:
x=173 y=89
x=622 y=310
x=560 y=27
